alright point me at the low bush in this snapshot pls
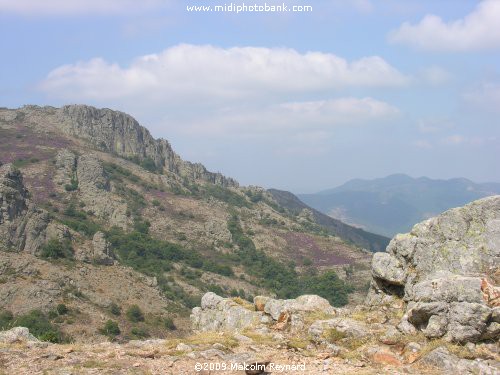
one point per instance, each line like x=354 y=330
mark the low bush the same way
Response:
x=110 y=329
x=135 y=314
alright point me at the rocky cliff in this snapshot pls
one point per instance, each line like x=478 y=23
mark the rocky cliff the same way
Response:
x=446 y=270
x=119 y=133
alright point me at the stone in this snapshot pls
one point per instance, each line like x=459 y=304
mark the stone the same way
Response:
x=350 y=327
x=102 y=253
x=260 y=302
x=116 y=132
x=217 y=313
x=302 y=304
x=388 y=268
x=17 y=335
x=444 y=270
x=391 y=336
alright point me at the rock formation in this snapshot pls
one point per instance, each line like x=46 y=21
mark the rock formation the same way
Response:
x=119 y=133
x=22 y=225
x=447 y=271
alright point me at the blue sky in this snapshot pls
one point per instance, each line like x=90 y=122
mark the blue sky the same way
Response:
x=298 y=101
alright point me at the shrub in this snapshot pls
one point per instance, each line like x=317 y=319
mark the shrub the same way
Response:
x=6 y=318
x=62 y=309
x=156 y=202
x=139 y=332
x=115 y=309
x=39 y=326
x=134 y=314
x=56 y=249
x=110 y=329
x=168 y=322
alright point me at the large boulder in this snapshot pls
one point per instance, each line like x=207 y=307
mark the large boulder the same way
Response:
x=17 y=335
x=302 y=304
x=447 y=271
x=222 y=314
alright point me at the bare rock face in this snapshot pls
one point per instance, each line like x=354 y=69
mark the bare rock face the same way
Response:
x=23 y=227
x=446 y=269
x=117 y=132
x=101 y=249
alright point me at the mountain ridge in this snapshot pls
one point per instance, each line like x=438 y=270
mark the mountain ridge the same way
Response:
x=392 y=204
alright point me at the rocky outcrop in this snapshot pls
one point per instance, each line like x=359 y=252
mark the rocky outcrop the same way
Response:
x=23 y=227
x=217 y=313
x=119 y=133
x=17 y=335
x=222 y=314
x=445 y=269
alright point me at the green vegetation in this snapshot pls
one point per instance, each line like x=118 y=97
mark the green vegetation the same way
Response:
x=79 y=221
x=73 y=185
x=169 y=324
x=146 y=163
x=110 y=329
x=21 y=163
x=6 y=318
x=139 y=332
x=39 y=326
x=135 y=314
x=282 y=278
x=115 y=309
x=57 y=249
x=62 y=309
x=225 y=195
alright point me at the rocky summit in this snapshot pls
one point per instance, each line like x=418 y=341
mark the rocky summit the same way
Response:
x=119 y=257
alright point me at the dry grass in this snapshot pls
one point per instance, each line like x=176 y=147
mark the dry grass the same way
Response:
x=205 y=339
x=298 y=343
x=244 y=303
x=260 y=339
x=333 y=335
x=311 y=317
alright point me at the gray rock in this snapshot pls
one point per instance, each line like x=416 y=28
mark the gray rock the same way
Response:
x=22 y=225
x=222 y=314
x=350 y=327
x=388 y=268
x=448 y=363
x=17 y=335
x=302 y=304
x=119 y=133
x=467 y=321
x=439 y=269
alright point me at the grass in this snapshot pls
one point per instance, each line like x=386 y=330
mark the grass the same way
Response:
x=260 y=339
x=311 y=317
x=333 y=335
x=298 y=343
x=244 y=303
x=205 y=339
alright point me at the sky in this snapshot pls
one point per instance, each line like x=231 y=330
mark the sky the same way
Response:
x=301 y=101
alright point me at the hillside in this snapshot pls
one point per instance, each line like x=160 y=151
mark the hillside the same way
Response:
x=395 y=203
x=354 y=235
x=98 y=216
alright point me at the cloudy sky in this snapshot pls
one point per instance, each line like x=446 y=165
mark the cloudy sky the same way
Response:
x=299 y=101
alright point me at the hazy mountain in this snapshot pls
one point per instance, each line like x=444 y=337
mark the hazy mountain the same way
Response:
x=395 y=203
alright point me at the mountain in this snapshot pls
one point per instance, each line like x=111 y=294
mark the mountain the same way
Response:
x=104 y=227
x=351 y=234
x=395 y=203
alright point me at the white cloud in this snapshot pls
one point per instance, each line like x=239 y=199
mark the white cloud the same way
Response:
x=486 y=97
x=312 y=120
x=479 y=30
x=212 y=72
x=76 y=7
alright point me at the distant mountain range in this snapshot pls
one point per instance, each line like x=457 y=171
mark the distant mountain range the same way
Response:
x=393 y=204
